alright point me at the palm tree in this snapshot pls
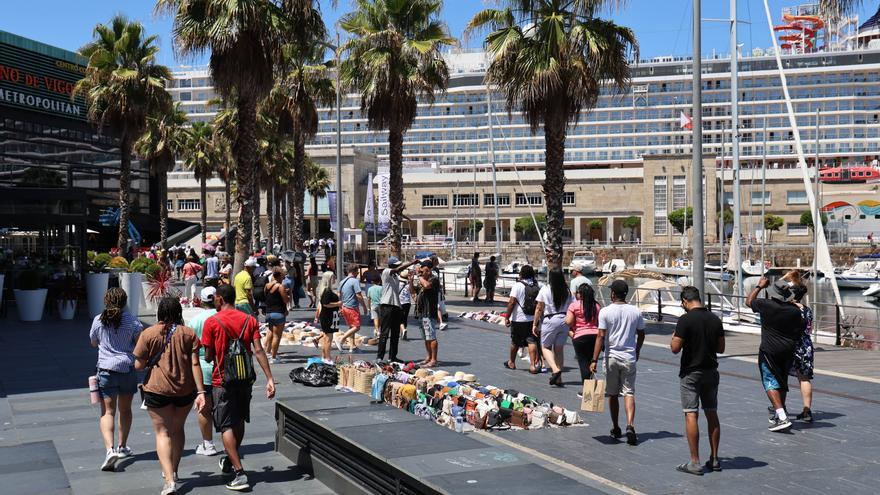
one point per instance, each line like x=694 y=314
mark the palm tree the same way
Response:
x=550 y=58
x=394 y=61
x=224 y=125
x=245 y=40
x=122 y=86
x=160 y=145
x=317 y=181
x=304 y=84
x=200 y=156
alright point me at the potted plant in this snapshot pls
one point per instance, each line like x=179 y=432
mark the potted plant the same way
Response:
x=159 y=285
x=130 y=282
x=97 y=281
x=68 y=293
x=30 y=296
x=144 y=266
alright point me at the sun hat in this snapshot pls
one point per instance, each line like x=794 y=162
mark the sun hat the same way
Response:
x=250 y=262
x=404 y=276
x=207 y=294
x=440 y=374
x=468 y=378
x=781 y=290
x=458 y=376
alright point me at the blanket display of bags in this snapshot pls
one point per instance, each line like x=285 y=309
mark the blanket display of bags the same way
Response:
x=315 y=375
x=456 y=401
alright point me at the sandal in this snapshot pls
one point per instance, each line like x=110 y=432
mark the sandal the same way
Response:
x=508 y=366
x=689 y=468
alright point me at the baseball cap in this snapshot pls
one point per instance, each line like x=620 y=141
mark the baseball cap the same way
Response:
x=393 y=261
x=781 y=290
x=619 y=288
x=207 y=294
x=577 y=268
x=250 y=262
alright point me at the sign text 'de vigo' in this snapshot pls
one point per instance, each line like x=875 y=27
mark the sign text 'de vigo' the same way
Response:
x=40 y=83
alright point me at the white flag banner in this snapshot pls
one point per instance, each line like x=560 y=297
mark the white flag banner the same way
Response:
x=384 y=203
x=369 y=210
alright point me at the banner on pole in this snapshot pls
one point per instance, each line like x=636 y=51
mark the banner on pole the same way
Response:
x=384 y=203
x=331 y=199
x=369 y=211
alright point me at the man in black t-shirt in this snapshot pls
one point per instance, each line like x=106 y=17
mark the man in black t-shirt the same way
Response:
x=781 y=326
x=699 y=337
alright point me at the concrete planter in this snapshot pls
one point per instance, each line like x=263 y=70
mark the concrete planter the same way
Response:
x=66 y=309
x=149 y=305
x=30 y=304
x=131 y=284
x=96 y=287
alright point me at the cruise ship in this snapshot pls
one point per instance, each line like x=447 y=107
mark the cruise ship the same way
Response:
x=837 y=83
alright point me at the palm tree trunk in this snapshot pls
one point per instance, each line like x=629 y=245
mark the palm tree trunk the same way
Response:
x=257 y=217
x=270 y=215
x=554 y=187
x=124 y=191
x=285 y=218
x=395 y=150
x=315 y=215
x=228 y=220
x=163 y=207
x=279 y=209
x=203 y=195
x=299 y=188
x=244 y=150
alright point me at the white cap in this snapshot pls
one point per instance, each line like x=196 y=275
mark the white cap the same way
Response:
x=207 y=294
x=250 y=262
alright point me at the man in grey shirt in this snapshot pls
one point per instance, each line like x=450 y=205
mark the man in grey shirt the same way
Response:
x=390 y=314
x=577 y=279
x=623 y=327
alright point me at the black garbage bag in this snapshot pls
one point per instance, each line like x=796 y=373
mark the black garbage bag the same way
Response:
x=316 y=375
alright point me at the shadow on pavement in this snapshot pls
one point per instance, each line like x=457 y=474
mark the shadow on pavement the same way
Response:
x=740 y=462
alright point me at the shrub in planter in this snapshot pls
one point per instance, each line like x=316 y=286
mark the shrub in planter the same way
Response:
x=30 y=280
x=140 y=265
x=99 y=262
x=119 y=263
x=30 y=295
x=68 y=293
x=159 y=285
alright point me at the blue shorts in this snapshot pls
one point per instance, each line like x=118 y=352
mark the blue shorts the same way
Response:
x=275 y=318
x=113 y=383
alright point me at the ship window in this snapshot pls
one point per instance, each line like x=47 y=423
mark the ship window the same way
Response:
x=861 y=217
x=847 y=217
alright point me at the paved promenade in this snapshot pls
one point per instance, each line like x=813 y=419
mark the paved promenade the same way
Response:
x=44 y=405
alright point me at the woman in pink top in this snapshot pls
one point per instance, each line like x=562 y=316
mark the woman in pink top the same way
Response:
x=191 y=272
x=583 y=321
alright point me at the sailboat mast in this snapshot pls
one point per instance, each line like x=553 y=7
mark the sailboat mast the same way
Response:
x=734 y=143
x=817 y=219
x=494 y=172
x=763 y=191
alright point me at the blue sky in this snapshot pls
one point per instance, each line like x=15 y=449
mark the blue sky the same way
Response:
x=662 y=30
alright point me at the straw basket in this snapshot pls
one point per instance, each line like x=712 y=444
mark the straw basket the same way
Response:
x=363 y=380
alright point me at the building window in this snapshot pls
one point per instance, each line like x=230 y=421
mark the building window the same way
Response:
x=465 y=200
x=661 y=226
x=568 y=199
x=170 y=205
x=679 y=192
x=756 y=198
x=185 y=96
x=795 y=229
x=795 y=197
x=435 y=200
x=189 y=205
x=503 y=200
x=534 y=199
x=728 y=199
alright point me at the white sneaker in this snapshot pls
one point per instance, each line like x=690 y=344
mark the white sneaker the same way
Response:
x=207 y=449
x=443 y=326
x=124 y=451
x=110 y=460
x=338 y=345
x=272 y=360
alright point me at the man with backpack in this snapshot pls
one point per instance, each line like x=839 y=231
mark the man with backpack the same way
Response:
x=230 y=338
x=259 y=279
x=521 y=305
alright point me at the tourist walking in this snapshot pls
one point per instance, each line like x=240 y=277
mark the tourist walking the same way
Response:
x=389 y=308
x=521 y=305
x=782 y=325
x=371 y=276
x=577 y=279
x=621 y=333
x=699 y=337
x=169 y=351
x=212 y=269
x=327 y=312
x=312 y=282
x=206 y=418
x=583 y=322
x=233 y=334
x=406 y=299
x=442 y=317
x=352 y=302
x=276 y=311
x=802 y=367
x=428 y=287
x=374 y=294
x=191 y=271
x=244 y=288
x=490 y=278
x=475 y=276
x=552 y=305
x=115 y=332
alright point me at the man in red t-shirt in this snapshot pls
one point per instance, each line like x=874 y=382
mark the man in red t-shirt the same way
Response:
x=232 y=404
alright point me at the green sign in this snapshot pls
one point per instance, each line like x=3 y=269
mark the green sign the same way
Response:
x=38 y=82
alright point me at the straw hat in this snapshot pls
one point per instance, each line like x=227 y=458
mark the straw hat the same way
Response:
x=459 y=375
x=422 y=373
x=468 y=378
x=404 y=276
x=440 y=374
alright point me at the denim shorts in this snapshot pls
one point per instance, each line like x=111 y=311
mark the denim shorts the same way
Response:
x=276 y=318
x=113 y=383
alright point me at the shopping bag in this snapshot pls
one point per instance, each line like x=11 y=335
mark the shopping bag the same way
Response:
x=594 y=396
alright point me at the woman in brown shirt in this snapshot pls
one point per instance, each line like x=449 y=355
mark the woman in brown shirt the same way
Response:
x=170 y=353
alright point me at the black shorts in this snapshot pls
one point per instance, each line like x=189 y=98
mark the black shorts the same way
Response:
x=158 y=401
x=232 y=407
x=521 y=334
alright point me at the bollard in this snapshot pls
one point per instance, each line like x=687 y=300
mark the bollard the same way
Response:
x=659 y=306
x=836 y=324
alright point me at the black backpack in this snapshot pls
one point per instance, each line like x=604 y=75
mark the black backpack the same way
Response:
x=259 y=284
x=238 y=366
x=530 y=298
